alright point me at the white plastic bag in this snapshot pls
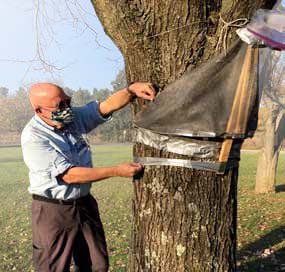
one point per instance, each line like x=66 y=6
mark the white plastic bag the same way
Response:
x=269 y=26
x=247 y=37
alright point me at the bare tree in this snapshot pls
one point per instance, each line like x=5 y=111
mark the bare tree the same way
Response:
x=272 y=81
x=48 y=16
x=183 y=220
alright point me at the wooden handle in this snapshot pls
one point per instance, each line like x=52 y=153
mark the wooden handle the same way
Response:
x=239 y=114
x=225 y=151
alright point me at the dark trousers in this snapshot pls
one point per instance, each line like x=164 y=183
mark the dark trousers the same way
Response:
x=61 y=231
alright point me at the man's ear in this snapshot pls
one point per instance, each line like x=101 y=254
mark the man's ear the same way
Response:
x=38 y=110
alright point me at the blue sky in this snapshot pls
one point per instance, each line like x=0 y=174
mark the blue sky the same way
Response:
x=87 y=65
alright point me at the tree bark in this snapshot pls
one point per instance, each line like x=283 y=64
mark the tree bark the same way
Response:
x=272 y=76
x=183 y=220
x=272 y=142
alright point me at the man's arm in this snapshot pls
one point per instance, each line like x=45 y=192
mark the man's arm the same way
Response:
x=81 y=175
x=121 y=98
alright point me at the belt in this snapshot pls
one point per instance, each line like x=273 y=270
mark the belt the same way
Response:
x=59 y=201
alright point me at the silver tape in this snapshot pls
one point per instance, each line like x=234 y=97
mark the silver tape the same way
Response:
x=176 y=145
x=207 y=166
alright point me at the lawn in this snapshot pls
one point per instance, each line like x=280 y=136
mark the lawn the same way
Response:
x=261 y=222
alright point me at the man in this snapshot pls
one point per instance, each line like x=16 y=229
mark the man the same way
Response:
x=65 y=217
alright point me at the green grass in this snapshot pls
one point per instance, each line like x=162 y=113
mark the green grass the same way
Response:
x=261 y=227
x=261 y=220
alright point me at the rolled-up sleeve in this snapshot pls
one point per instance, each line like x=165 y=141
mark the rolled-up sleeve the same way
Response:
x=40 y=156
x=60 y=165
x=89 y=116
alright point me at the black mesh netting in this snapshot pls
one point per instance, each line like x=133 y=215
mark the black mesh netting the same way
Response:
x=200 y=103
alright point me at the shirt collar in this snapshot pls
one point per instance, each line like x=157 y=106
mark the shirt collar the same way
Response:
x=43 y=123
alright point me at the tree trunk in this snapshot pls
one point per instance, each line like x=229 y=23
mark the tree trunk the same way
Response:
x=272 y=76
x=272 y=142
x=183 y=220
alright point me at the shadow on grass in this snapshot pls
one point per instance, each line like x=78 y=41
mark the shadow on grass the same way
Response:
x=280 y=188
x=260 y=256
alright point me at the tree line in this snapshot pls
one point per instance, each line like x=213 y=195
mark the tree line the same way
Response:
x=16 y=111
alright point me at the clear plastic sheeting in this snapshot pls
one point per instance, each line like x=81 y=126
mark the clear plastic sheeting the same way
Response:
x=176 y=145
x=204 y=166
x=269 y=26
x=247 y=37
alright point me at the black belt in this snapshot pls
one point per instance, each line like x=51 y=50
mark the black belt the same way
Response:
x=59 y=201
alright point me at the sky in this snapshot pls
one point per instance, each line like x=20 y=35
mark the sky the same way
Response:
x=81 y=62
x=64 y=40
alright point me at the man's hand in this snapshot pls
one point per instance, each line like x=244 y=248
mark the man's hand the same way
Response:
x=128 y=169
x=121 y=98
x=143 y=90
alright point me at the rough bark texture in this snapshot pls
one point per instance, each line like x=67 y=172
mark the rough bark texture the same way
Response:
x=183 y=220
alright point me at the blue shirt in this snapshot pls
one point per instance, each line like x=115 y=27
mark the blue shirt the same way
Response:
x=49 y=152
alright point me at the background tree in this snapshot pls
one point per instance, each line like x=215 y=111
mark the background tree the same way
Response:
x=119 y=130
x=273 y=106
x=15 y=111
x=81 y=97
x=184 y=220
x=4 y=91
x=122 y=118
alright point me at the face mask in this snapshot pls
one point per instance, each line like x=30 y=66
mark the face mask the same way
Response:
x=63 y=117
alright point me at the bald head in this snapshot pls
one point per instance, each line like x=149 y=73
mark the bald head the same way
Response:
x=46 y=95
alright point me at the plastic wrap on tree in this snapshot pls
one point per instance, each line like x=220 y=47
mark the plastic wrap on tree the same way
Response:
x=249 y=38
x=269 y=26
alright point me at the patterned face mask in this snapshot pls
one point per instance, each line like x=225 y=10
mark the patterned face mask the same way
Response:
x=63 y=116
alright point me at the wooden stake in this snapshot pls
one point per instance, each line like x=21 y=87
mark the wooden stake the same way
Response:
x=238 y=119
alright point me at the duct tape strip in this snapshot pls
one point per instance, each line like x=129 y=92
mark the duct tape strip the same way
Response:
x=181 y=146
x=207 y=166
